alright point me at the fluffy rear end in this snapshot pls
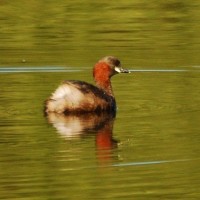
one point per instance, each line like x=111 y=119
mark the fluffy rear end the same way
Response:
x=66 y=97
x=78 y=96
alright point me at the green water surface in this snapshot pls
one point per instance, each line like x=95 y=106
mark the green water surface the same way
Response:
x=150 y=150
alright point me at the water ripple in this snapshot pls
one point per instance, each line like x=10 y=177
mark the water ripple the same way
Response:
x=37 y=69
x=73 y=69
x=150 y=162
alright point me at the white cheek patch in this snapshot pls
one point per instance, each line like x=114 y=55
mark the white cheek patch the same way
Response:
x=117 y=69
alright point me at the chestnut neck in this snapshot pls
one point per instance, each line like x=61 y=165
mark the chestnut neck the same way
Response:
x=102 y=75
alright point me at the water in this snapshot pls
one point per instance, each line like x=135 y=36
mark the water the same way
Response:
x=150 y=150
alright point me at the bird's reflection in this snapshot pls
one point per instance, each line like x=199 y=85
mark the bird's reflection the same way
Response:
x=78 y=125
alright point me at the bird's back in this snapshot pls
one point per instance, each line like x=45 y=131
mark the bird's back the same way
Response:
x=77 y=97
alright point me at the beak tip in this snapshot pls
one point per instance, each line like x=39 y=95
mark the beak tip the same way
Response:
x=126 y=71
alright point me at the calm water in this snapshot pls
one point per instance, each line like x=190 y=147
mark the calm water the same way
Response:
x=150 y=150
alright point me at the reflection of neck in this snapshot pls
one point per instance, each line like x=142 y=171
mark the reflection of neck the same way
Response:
x=104 y=143
x=104 y=136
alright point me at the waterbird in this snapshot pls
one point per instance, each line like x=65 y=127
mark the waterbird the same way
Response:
x=74 y=96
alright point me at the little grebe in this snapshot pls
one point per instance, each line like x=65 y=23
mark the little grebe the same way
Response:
x=80 y=97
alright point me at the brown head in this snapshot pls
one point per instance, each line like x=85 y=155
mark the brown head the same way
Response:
x=104 y=69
